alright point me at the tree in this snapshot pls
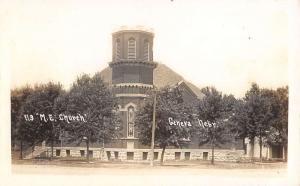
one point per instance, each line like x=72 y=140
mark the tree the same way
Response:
x=169 y=109
x=282 y=118
x=238 y=122
x=39 y=104
x=264 y=117
x=214 y=112
x=92 y=99
x=254 y=115
x=278 y=132
x=60 y=107
x=18 y=98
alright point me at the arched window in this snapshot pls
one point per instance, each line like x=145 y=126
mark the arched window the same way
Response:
x=118 y=50
x=146 y=50
x=130 y=122
x=131 y=48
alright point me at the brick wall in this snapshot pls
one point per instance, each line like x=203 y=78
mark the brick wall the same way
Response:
x=132 y=74
x=139 y=37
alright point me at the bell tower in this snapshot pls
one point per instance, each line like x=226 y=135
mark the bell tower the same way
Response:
x=132 y=74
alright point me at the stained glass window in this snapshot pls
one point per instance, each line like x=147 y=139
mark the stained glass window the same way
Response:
x=130 y=119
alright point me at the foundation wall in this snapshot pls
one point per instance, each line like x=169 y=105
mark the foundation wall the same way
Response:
x=140 y=155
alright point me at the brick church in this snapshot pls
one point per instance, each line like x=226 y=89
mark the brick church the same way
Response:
x=131 y=75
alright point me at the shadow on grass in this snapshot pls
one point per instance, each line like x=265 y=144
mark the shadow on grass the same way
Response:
x=96 y=163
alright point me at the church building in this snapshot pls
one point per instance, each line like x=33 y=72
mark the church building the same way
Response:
x=131 y=75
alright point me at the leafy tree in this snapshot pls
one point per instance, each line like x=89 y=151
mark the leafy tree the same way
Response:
x=170 y=106
x=282 y=118
x=214 y=110
x=278 y=132
x=264 y=117
x=92 y=99
x=60 y=107
x=18 y=97
x=254 y=115
x=40 y=104
x=238 y=122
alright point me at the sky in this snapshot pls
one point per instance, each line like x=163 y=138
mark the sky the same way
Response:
x=227 y=44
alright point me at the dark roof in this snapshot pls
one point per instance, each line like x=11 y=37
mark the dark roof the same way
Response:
x=162 y=76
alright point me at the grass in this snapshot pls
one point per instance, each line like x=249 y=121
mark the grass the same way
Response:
x=197 y=164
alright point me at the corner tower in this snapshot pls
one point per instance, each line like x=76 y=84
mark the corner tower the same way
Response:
x=132 y=75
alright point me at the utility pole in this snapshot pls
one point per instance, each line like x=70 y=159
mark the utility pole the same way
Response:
x=153 y=130
x=103 y=155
